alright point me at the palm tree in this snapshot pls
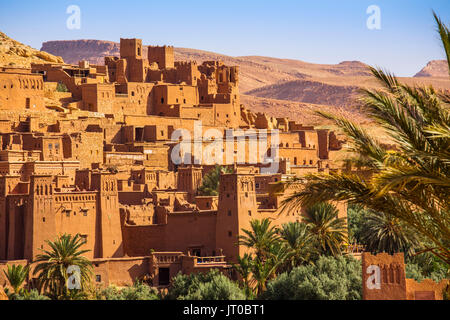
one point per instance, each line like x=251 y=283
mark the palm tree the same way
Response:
x=52 y=266
x=385 y=233
x=244 y=267
x=329 y=230
x=411 y=183
x=256 y=272
x=279 y=256
x=300 y=243
x=16 y=276
x=210 y=182
x=444 y=33
x=261 y=237
x=261 y=273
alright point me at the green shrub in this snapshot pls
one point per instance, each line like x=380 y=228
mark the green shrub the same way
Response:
x=356 y=216
x=32 y=295
x=426 y=265
x=210 y=286
x=139 y=291
x=210 y=182
x=328 y=279
x=413 y=271
x=61 y=87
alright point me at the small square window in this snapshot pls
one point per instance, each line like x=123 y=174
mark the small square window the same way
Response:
x=230 y=233
x=98 y=278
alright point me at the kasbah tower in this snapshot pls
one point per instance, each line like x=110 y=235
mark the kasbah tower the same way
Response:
x=99 y=164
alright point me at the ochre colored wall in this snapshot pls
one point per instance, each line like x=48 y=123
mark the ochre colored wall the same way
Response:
x=427 y=289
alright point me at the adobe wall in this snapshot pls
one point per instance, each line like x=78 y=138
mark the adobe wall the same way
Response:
x=299 y=156
x=132 y=98
x=21 y=91
x=182 y=232
x=14 y=222
x=50 y=168
x=139 y=240
x=85 y=147
x=76 y=212
x=207 y=202
x=185 y=231
x=138 y=214
x=427 y=289
x=120 y=271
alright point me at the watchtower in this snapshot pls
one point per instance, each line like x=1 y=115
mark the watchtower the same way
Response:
x=39 y=224
x=131 y=48
x=163 y=56
x=189 y=179
x=108 y=228
x=237 y=207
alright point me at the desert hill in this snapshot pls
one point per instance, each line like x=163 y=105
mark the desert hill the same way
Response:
x=16 y=54
x=434 y=68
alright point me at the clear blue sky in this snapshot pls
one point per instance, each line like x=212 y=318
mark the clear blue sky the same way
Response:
x=320 y=31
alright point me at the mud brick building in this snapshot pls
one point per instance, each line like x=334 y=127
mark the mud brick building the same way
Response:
x=87 y=149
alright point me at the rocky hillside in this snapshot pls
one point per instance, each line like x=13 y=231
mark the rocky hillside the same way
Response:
x=434 y=68
x=16 y=54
